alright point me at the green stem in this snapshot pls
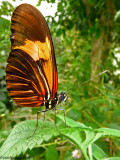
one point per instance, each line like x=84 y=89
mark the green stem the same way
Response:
x=90 y=152
x=84 y=153
x=53 y=143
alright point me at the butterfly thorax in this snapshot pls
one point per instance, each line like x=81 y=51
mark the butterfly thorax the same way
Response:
x=51 y=104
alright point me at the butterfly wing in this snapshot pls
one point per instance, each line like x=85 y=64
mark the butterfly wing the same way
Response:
x=31 y=73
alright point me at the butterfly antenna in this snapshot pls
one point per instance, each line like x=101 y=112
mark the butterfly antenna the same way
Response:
x=88 y=80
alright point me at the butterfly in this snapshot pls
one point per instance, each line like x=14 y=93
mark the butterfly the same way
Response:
x=31 y=72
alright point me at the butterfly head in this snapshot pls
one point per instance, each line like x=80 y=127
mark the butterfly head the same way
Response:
x=62 y=97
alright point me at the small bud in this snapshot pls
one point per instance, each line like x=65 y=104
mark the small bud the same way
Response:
x=77 y=154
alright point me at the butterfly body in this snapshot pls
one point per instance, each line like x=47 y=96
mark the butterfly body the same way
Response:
x=51 y=103
x=31 y=72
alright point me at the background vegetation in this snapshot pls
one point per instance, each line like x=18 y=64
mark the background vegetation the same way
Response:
x=86 y=36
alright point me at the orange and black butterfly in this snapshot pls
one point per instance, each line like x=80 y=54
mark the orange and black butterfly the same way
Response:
x=31 y=72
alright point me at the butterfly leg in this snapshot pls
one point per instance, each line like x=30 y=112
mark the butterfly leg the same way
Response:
x=61 y=109
x=55 y=120
x=43 y=118
x=37 y=122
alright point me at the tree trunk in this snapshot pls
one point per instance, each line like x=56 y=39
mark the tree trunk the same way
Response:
x=96 y=56
x=102 y=45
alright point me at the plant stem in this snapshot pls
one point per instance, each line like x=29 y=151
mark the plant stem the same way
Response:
x=49 y=144
x=90 y=152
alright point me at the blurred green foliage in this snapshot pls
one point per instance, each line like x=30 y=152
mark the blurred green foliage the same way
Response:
x=86 y=36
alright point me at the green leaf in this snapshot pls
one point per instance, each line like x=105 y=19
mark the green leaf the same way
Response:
x=18 y=141
x=109 y=132
x=114 y=126
x=117 y=15
x=2 y=95
x=3 y=108
x=97 y=152
x=52 y=153
x=106 y=132
x=116 y=113
x=74 y=114
x=79 y=134
x=2 y=73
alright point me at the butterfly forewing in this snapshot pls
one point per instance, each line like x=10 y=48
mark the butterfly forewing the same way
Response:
x=31 y=73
